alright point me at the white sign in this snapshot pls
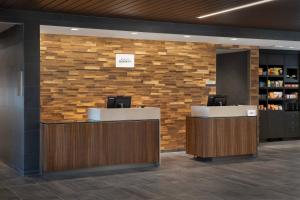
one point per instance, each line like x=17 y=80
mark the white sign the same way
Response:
x=251 y=113
x=210 y=82
x=125 y=60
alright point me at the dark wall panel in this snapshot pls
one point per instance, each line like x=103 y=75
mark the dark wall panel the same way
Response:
x=31 y=97
x=11 y=97
x=232 y=77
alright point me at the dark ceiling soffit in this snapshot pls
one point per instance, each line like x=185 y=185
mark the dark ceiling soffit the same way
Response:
x=58 y=19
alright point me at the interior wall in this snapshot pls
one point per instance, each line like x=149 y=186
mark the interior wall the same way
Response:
x=253 y=71
x=233 y=77
x=79 y=72
x=11 y=97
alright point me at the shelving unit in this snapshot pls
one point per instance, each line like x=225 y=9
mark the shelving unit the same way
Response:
x=278 y=91
x=279 y=95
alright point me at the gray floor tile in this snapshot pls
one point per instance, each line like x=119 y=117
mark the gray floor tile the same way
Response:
x=273 y=175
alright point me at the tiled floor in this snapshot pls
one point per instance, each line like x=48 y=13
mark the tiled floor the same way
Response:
x=275 y=174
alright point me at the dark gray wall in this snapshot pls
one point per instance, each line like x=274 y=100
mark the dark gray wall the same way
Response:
x=31 y=97
x=11 y=98
x=233 y=77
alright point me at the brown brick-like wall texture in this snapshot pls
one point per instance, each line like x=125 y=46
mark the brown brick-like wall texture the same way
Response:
x=78 y=72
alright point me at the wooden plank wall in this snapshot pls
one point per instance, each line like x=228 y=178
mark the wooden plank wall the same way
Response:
x=78 y=72
x=68 y=146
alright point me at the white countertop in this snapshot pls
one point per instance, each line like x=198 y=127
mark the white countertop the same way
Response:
x=119 y=114
x=224 y=111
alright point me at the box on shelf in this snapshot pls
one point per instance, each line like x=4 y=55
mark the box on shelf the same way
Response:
x=276 y=71
x=274 y=107
x=275 y=83
x=275 y=95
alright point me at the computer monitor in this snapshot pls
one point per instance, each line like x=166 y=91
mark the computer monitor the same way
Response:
x=118 y=102
x=217 y=100
x=111 y=101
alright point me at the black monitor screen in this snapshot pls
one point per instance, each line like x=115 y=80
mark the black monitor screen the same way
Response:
x=217 y=100
x=111 y=101
x=119 y=102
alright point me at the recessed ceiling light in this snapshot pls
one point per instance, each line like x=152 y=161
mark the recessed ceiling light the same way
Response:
x=134 y=33
x=292 y=47
x=187 y=36
x=235 y=8
x=233 y=39
x=74 y=29
x=279 y=46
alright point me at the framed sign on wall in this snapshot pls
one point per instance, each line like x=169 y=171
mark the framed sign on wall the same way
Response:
x=125 y=60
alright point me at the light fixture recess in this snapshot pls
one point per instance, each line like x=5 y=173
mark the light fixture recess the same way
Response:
x=235 y=8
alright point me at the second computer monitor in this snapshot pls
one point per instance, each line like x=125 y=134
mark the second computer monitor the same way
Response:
x=119 y=102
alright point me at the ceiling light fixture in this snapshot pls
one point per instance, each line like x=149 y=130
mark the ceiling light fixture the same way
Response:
x=233 y=39
x=187 y=36
x=292 y=47
x=235 y=8
x=134 y=33
x=74 y=29
x=279 y=46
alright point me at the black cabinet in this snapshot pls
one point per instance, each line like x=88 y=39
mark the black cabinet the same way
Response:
x=278 y=124
x=263 y=125
x=291 y=122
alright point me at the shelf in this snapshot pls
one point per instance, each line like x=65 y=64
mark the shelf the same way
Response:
x=287 y=80
x=275 y=88
x=291 y=99
x=275 y=76
x=275 y=99
x=275 y=66
x=271 y=76
x=291 y=88
x=271 y=88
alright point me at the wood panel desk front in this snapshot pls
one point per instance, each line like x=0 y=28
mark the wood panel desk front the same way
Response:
x=221 y=136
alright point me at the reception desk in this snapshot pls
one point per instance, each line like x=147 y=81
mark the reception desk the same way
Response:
x=221 y=131
x=121 y=137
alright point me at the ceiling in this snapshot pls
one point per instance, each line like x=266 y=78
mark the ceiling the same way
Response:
x=278 y=14
x=261 y=43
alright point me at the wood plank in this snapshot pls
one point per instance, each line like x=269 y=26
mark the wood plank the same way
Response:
x=220 y=137
x=82 y=145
